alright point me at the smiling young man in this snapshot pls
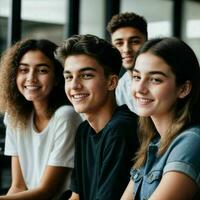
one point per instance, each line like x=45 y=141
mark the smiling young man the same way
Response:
x=128 y=32
x=106 y=141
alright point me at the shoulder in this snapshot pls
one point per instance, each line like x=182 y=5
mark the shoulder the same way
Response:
x=6 y=119
x=189 y=135
x=66 y=115
x=84 y=127
x=123 y=115
x=125 y=77
x=83 y=130
x=66 y=112
x=124 y=81
x=123 y=121
x=121 y=130
x=185 y=147
x=194 y=130
x=183 y=153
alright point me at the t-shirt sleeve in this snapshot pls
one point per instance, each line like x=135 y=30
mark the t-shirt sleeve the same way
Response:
x=184 y=156
x=66 y=123
x=10 y=139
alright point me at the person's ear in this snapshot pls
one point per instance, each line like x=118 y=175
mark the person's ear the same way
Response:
x=112 y=82
x=185 y=89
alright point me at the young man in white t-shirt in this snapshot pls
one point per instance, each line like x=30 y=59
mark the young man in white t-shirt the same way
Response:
x=128 y=32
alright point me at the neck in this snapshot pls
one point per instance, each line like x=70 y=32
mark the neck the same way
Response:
x=99 y=119
x=162 y=124
x=41 y=117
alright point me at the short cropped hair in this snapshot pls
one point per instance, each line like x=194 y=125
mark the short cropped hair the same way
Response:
x=99 y=49
x=128 y=19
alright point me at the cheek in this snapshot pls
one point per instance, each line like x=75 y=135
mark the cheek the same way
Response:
x=18 y=81
x=136 y=47
x=99 y=90
x=119 y=49
x=66 y=88
x=133 y=88
x=166 y=94
x=51 y=81
x=67 y=92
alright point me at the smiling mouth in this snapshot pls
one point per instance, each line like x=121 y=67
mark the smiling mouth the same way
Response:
x=143 y=101
x=79 y=96
x=31 y=87
x=127 y=58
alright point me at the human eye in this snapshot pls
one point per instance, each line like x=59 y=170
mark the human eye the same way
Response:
x=135 y=41
x=118 y=43
x=136 y=76
x=68 y=78
x=87 y=76
x=43 y=70
x=22 y=69
x=155 y=80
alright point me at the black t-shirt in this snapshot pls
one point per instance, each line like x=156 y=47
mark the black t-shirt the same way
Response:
x=103 y=160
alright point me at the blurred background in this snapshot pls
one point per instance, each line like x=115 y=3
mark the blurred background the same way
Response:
x=59 y=19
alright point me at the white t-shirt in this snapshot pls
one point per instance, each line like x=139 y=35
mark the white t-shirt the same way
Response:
x=53 y=146
x=123 y=92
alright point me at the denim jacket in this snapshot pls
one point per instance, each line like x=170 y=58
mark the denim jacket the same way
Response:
x=183 y=155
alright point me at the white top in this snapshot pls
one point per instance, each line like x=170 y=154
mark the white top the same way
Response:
x=123 y=92
x=53 y=146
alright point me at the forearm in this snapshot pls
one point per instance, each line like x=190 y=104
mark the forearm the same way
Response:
x=74 y=196
x=33 y=194
x=128 y=193
x=14 y=190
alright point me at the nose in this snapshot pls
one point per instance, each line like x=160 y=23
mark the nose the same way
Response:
x=31 y=76
x=76 y=84
x=126 y=47
x=139 y=86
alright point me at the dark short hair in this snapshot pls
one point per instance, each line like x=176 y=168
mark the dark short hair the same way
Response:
x=99 y=49
x=128 y=19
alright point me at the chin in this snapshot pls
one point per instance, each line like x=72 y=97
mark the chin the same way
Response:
x=143 y=114
x=78 y=109
x=128 y=67
x=29 y=99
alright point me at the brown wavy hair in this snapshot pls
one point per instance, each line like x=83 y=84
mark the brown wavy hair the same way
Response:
x=184 y=64
x=11 y=100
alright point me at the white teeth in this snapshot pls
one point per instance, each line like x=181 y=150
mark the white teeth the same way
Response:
x=79 y=96
x=31 y=87
x=143 y=100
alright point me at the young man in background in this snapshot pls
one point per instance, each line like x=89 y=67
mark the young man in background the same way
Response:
x=128 y=32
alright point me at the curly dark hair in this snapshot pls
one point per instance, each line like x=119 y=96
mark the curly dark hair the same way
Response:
x=128 y=19
x=11 y=100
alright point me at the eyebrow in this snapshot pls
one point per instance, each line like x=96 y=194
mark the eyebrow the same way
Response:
x=132 y=37
x=81 y=70
x=152 y=72
x=38 y=65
